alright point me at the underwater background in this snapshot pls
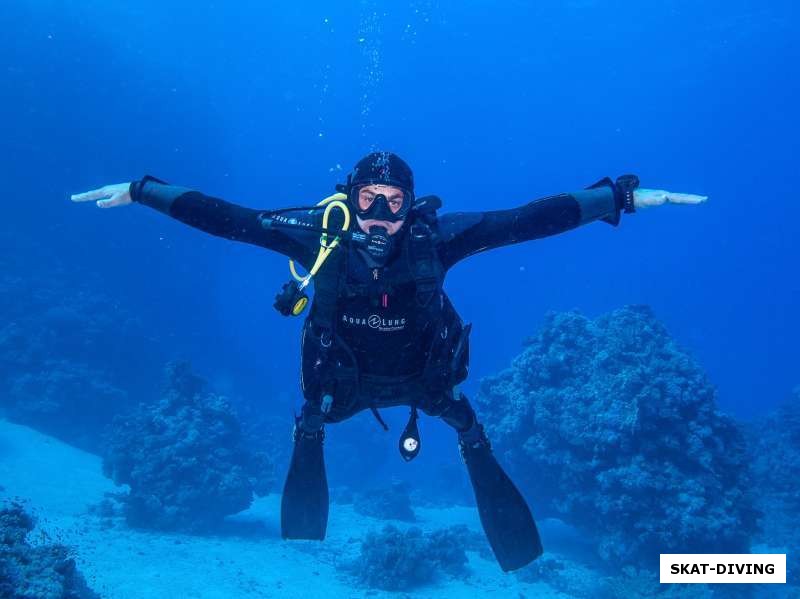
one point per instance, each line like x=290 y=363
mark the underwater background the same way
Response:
x=113 y=320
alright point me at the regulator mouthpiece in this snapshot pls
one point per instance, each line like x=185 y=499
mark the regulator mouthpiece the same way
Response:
x=379 y=243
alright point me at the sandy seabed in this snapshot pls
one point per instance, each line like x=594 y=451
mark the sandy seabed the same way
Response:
x=58 y=482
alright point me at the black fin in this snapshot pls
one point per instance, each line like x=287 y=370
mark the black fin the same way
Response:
x=304 y=504
x=505 y=516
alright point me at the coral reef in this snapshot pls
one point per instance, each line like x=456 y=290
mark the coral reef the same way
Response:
x=563 y=575
x=184 y=458
x=610 y=426
x=396 y=560
x=576 y=580
x=634 y=583
x=45 y=571
x=391 y=502
x=268 y=438
x=65 y=354
x=775 y=442
x=73 y=402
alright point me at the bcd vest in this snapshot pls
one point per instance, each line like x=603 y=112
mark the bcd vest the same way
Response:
x=329 y=363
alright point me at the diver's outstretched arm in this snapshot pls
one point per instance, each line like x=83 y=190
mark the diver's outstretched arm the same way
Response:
x=208 y=214
x=463 y=234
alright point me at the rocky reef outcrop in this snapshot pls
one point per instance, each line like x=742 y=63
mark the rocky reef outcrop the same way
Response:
x=184 y=458
x=41 y=571
x=609 y=425
x=401 y=560
x=775 y=443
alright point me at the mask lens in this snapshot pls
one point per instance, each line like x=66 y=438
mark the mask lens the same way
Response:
x=365 y=200
x=389 y=202
x=395 y=202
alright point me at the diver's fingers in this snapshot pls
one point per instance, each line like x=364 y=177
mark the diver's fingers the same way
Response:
x=644 y=198
x=107 y=196
x=121 y=198
x=686 y=198
x=95 y=194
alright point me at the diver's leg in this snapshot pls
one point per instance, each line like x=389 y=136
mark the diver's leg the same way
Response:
x=505 y=516
x=304 y=504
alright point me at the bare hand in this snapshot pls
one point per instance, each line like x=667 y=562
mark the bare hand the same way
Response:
x=108 y=196
x=644 y=198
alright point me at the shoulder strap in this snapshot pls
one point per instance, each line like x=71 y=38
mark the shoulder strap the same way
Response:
x=424 y=263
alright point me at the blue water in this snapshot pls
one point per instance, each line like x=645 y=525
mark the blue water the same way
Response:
x=492 y=104
x=492 y=107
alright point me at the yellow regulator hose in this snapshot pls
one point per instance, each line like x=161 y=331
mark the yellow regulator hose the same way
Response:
x=337 y=200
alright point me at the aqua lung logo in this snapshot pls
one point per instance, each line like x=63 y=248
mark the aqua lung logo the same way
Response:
x=375 y=321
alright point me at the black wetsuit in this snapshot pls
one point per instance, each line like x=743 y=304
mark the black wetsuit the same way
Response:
x=383 y=337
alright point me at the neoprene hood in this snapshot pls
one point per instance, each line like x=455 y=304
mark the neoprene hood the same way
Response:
x=379 y=168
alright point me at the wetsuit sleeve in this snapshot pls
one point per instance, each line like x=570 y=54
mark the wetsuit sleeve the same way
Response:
x=463 y=234
x=224 y=219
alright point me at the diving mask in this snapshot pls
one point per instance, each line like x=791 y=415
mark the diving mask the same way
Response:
x=391 y=208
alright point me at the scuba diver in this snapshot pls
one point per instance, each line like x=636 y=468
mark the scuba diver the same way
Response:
x=381 y=331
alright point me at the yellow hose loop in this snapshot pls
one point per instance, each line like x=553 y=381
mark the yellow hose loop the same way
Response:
x=296 y=276
x=336 y=196
x=331 y=202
